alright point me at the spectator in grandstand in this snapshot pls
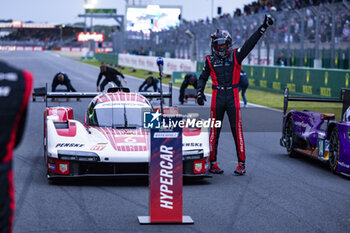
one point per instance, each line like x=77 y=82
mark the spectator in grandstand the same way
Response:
x=62 y=79
x=190 y=79
x=281 y=61
x=111 y=75
x=243 y=86
x=150 y=82
x=15 y=86
x=346 y=32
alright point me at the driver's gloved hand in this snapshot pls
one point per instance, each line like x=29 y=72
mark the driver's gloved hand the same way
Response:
x=201 y=98
x=268 y=21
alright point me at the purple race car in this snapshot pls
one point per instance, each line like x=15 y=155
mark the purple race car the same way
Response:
x=319 y=135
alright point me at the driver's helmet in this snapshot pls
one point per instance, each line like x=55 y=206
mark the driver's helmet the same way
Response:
x=221 y=43
x=346 y=116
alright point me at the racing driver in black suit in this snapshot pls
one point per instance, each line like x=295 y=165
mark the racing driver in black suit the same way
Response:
x=15 y=88
x=224 y=66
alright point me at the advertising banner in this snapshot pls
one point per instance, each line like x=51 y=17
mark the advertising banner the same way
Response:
x=100 y=11
x=303 y=81
x=149 y=63
x=86 y=36
x=21 y=48
x=165 y=175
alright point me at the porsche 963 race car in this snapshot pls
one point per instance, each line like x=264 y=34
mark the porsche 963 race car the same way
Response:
x=111 y=141
x=317 y=134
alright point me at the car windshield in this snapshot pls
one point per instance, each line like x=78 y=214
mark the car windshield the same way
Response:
x=120 y=115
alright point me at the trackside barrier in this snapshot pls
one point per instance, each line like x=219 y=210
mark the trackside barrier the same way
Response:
x=21 y=48
x=107 y=58
x=148 y=63
x=165 y=175
x=302 y=81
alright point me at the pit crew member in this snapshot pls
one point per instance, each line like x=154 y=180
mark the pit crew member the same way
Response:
x=62 y=79
x=111 y=75
x=150 y=82
x=243 y=86
x=190 y=79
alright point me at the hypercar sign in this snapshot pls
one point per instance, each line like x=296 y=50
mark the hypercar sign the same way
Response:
x=166 y=176
x=86 y=36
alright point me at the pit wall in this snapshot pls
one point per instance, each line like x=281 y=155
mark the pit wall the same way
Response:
x=301 y=81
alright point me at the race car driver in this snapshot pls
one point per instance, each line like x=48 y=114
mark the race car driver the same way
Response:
x=150 y=82
x=62 y=79
x=224 y=67
x=15 y=88
x=190 y=79
x=111 y=75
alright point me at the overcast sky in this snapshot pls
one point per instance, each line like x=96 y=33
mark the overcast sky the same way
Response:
x=66 y=11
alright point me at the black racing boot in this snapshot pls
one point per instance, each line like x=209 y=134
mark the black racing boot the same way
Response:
x=214 y=168
x=240 y=169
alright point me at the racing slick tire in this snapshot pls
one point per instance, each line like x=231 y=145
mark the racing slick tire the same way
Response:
x=290 y=137
x=334 y=150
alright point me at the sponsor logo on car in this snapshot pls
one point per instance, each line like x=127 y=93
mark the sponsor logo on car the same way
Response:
x=52 y=166
x=63 y=168
x=99 y=146
x=198 y=167
x=344 y=164
x=301 y=124
x=69 y=145
x=192 y=144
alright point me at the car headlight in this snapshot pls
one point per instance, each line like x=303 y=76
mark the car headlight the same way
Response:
x=78 y=156
x=192 y=154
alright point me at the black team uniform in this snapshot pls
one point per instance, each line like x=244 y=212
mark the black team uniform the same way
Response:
x=110 y=76
x=224 y=67
x=190 y=79
x=15 y=88
x=149 y=82
x=66 y=82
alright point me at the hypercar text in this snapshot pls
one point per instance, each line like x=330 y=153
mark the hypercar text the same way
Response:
x=166 y=177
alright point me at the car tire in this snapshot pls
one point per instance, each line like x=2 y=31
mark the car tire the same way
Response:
x=334 y=150
x=290 y=137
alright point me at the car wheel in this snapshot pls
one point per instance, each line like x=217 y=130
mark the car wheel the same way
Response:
x=334 y=150
x=290 y=137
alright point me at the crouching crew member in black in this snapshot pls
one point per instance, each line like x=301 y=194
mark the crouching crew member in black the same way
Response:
x=190 y=79
x=224 y=66
x=62 y=79
x=150 y=82
x=111 y=75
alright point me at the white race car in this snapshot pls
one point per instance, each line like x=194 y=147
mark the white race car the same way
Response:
x=112 y=141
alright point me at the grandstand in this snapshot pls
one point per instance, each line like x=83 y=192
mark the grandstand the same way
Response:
x=48 y=36
x=307 y=31
x=311 y=33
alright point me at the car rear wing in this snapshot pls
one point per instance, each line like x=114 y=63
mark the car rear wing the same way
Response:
x=344 y=98
x=42 y=92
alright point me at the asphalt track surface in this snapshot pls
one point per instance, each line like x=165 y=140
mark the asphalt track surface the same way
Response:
x=278 y=193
